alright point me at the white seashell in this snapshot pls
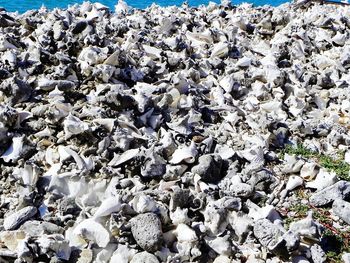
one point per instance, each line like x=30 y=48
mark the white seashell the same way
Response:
x=339 y=39
x=123 y=254
x=203 y=38
x=244 y=62
x=347 y=157
x=219 y=50
x=223 y=259
x=107 y=123
x=294 y=182
x=186 y=154
x=28 y=174
x=293 y=165
x=267 y=211
x=121 y=7
x=113 y=59
x=152 y=52
x=124 y=157
x=322 y=180
x=93 y=231
x=185 y=234
x=14 y=152
x=227 y=83
x=179 y=216
x=73 y=126
x=309 y=171
x=306 y=227
x=109 y=206
x=56 y=243
x=143 y=203
x=66 y=152
x=220 y=245
x=105 y=254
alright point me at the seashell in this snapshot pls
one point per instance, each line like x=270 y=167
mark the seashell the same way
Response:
x=106 y=253
x=143 y=203
x=322 y=180
x=93 y=231
x=108 y=206
x=227 y=83
x=339 y=39
x=220 y=245
x=185 y=234
x=309 y=171
x=347 y=157
x=306 y=227
x=107 y=123
x=294 y=182
x=244 y=62
x=73 y=126
x=219 y=50
x=293 y=165
x=123 y=254
x=185 y=154
x=179 y=216
x=28 y=174
x=56 y=243
x=13 y=153
x=124 y=157
x=121 y=7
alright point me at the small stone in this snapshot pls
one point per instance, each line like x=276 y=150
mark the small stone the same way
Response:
x=144 y=257
x=292 y=240
x=267 y=233
x=14 y=220
x=317 y=254
x=179 y=198
x=240 y=190
x=38 y=228
x=341 y=208
x=270 y=236
x=339 y=190
x=147 y=231
x=209 y=168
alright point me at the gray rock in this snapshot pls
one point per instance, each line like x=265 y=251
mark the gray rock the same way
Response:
x=242 y=190
x=144 y=257
x=341 y=208
x=147 y=231
x=179 y=198
x=14 y=220
x=38 y=228
x=209 y=168
x=339 y=190
x=317 y=254
x=292 y=240
x=268 y=234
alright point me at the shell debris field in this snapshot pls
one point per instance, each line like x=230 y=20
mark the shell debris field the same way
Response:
x=175 y=134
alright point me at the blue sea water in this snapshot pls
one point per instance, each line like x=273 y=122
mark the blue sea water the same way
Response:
x=24 y=5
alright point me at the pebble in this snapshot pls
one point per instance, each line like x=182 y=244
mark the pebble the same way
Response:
x=144 y=257
x=209 y=168
x=147 y=231
x=341 y=208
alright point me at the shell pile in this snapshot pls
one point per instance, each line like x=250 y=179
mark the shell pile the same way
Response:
x=154 y=135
